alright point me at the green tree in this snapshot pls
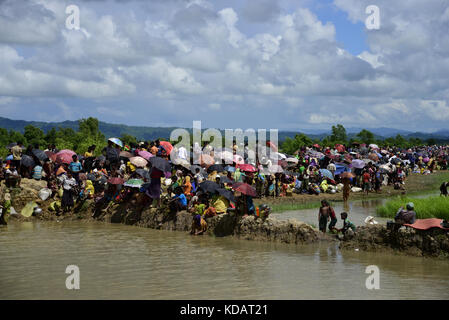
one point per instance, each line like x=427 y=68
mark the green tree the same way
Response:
x=16 y=136
x=339 y=134
x=128 y=139
x=34 y=135
x=365 y=136
x=291 y=145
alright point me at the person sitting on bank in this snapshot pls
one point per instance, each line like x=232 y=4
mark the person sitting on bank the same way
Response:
x=178 y=202
x=199 y=225
x=406 y=216
x=346 y=223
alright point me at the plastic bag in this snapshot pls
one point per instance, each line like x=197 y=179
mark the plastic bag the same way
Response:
x=44 y=194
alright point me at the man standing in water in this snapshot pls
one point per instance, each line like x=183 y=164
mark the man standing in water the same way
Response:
x=324 y=215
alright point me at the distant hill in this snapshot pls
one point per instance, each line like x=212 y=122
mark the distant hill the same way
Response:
x=151 y=133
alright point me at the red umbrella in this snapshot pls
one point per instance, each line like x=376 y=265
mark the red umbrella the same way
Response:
x=247 y=167
x=340 y=148
x=65 y=156
x=51 y=155
x=246 y=189
x=167 y=146
x=272 y=146
x=316 y=145
x=116 y=180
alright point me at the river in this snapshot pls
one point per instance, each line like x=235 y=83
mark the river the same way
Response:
x=126 y=262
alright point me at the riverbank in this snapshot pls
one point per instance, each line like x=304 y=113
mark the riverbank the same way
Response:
x=249 y=228
x=407 y=241
x=415 y=184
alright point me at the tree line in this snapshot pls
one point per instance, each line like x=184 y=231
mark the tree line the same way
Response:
x=88 y=134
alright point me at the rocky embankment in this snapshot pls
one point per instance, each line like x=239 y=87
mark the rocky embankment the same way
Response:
x=409 y=241
x=130 y=213
x=433 y=242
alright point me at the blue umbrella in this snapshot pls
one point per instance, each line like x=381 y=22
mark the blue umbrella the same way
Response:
x=230 y=169
x=10 y=157
x=117 y=141
x=326 y=173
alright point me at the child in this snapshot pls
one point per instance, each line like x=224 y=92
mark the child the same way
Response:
x=346 y=223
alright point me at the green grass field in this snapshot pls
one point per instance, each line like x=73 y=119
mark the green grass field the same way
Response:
x=431 y=207
x=282 y=207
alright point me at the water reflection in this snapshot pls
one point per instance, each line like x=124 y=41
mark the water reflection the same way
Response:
x=122 y=262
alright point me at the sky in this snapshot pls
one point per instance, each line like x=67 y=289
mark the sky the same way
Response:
x=279 y=64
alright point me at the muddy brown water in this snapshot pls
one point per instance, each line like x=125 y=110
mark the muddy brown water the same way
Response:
x=126 y=262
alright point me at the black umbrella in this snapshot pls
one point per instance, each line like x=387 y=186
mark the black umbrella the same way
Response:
x=101 y=158
x=194 y=167
x=143 y=173
x=161 y=164
x=41 y=155
x=216 y=167
x=27 y=161
x=228 y=194
x=225 y=179
x=209 y=186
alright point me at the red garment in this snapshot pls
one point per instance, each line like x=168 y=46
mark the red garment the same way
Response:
x=366 y=177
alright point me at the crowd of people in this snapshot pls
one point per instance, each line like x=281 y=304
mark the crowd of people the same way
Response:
x=159 y=174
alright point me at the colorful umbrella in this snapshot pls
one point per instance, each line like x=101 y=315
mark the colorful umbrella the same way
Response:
x=272 y=146
x=229 y=169
x=138 y=161
x=357 y=163
x=134 y=183
x=238 y=159
x=116 y=141
x=167 y=146
x=51 y=155
x=65 y=156
x=246 y=189
x=145 y=154
x=116 y=180
x=246 y=167
x=326 y=173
